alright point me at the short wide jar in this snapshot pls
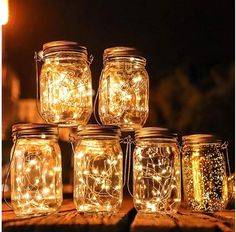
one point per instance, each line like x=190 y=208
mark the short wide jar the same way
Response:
x=204 y=173
x=157 y=177
x=98 y=164
x=36 y=181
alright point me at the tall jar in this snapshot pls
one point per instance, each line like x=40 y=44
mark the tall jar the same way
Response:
x=204 y=173
x=65 y=84
x=36 y=182
x=156 y=171
x=123 y=89
x=98 y=164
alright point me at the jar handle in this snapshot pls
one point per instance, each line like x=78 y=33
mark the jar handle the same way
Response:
x=224 y=146
x=38 y=58
x=128 y=155
x=96 y=101
x=72 y=140
x=8 y=171
x=90 y=60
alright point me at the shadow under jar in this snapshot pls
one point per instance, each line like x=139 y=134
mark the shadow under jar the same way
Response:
x=98 y=170
x=36 y=182
x=123 y=89
x=65 y=84
x=156 y=171
x=204 y=173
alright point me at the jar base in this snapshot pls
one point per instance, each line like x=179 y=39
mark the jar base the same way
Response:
x=25 y=211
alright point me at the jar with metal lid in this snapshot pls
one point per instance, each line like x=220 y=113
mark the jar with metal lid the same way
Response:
x=156 y=171
x=65 y=84
x=124 y=89
x=204 y=173
x=36 y=182
x=98 y=164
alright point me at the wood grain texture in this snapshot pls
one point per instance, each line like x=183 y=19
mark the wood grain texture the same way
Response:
x=185 y=221
x=67 y=219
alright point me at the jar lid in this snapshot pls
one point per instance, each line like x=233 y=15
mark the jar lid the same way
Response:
x=34 y=128
x=105 y=130
x=155 y=132
x=56 y=46
x=201 y=138
x=123 y=52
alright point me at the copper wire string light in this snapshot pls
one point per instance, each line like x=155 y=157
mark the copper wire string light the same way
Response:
x=157 y=178
x=36 y=182
x=64 y=99
x=123 y=89
x=64 y=86
x=98 y=170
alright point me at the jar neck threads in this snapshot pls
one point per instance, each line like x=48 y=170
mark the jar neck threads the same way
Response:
x=123 y=54
x=38 y=130
x=92 y=130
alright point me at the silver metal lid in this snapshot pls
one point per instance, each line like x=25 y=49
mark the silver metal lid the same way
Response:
x=155 y=132
x=56 y=46
x=201 y=138
x=34 y=129
x=105 y=130
x=123 y=52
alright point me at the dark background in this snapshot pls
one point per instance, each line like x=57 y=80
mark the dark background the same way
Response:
x=189 y=46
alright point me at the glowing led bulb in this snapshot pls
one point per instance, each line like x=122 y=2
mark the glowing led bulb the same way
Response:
x=46 y=191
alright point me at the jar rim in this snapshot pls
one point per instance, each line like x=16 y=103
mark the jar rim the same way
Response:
x=34 y=129
x=62 y=45
x=95 y=129
x=155 y=132
x=201 y=138
x=123 y=52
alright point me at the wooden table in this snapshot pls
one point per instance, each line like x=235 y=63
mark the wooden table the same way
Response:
x=67 y=219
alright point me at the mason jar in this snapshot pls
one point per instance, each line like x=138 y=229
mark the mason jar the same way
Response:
x=36 y=181
x=156 y=171
x=65 y=84
x=123 y=89
x=204 y=173
x=98 y=164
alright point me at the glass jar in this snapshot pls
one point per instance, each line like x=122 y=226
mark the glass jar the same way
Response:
x=65 y=84
x=123 y=89
x=157 y=172
x=98 y=164
x=204 y=173
x=36 y=182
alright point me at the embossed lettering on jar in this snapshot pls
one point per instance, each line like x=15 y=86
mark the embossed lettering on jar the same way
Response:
x=65 y=84
x=157 y=177
x=36 y=182
x=204 y=173
x=98 y=170
x=123 y=89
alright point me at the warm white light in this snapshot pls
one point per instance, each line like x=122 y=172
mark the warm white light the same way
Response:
x=4 y=12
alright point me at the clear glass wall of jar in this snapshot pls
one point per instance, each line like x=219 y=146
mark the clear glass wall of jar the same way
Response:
x=98 y=170
x=204 y=173
x=65 y=84
x=123 y=89
x=36 y=181
x=157 y=171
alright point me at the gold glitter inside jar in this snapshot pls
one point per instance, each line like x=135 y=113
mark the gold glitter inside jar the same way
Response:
x=204 y=173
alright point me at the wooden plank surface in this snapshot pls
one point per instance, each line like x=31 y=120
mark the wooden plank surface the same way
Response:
x=185 y=221
x=67 y=219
